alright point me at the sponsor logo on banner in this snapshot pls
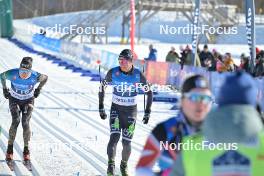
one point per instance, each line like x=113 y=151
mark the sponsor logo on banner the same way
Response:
x=157 y=72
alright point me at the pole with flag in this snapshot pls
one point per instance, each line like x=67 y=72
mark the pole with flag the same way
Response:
x=250 y=31
x=195 y=30
x=132 y=24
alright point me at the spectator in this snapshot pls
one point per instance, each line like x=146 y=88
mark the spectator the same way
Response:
x=259 y=67
x=220 y=66
x=196 y=102
x=257 y=50
x=225 y=64
x=206 y=55
x=260 y=54
x=244 y=63
x=186 y=56
x=236 y=126
x=152 y=54
x=210 y=64
x=228 y=62
x=172 y=56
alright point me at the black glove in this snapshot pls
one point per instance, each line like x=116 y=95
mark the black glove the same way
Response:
x=36 y=93
x=6 y=93
x=102 y=112
x=146 y=118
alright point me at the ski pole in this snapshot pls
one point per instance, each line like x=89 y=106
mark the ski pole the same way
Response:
x=144 y=89
x=99 y=63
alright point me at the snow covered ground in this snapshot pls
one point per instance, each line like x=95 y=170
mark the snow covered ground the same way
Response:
x=68 y=136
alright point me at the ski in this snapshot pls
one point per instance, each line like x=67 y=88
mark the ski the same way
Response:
x=27 y=164
x=10 y=164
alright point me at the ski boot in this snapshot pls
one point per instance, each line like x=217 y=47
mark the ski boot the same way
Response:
x=111 y=168
x=27 y=161
x=123 y=168
x=9 y=157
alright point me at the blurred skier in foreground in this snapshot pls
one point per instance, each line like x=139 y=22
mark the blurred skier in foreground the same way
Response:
x=196 y=102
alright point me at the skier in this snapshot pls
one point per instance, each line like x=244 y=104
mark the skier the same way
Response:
x=21 y=101
x=195 y=104
x=123 y=111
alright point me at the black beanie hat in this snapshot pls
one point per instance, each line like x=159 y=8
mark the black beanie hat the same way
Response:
x=26 y=63
x=195 y=81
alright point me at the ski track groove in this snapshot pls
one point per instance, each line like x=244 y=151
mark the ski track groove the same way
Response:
x=36 y=169
x=80 y=115
x=67 y=139
x=95 y=101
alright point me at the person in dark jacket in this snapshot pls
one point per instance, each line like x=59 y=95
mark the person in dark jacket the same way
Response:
x=206 y=56
x=244 y=63
x=259 y=67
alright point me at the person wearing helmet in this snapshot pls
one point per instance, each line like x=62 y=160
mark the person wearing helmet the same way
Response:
x=123 y=111
x=196 y=102
x=21 y=100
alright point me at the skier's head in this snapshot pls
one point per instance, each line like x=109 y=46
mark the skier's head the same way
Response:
x=25 y=67
x=125 y=60
x=26 y=63
x=196 y=98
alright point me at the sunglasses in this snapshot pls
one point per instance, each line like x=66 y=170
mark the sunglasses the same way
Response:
x=198 y=97
x=123 y=58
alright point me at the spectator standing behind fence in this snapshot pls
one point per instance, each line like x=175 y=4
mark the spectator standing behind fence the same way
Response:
x=244 y=63
x=220 y=66
x=259 y=67
x=215 y=53
x=186 y=56
x=210 y=64
x=229 y=62
x=172 y=56
x=206 y=56
x=225 y=64
x=152 y=54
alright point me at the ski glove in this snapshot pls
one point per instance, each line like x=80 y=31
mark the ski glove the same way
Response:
x=102 y=111
x=6 y=93
x=36 y=93
x=146 y=118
